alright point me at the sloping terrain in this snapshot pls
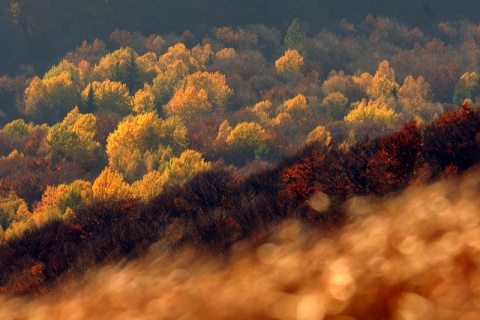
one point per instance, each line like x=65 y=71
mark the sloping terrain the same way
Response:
x=414 y=256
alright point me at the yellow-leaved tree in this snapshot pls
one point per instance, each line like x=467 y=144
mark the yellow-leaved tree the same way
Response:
x=414 y=98
x=371 y=111
x=62 y=199
x=69 y=69
x=264 y=112
x=168 y=81
x=188 y=103
x=139 y=143
x=149 y=186
x=176 y=53
x=147 y=67
x=144 y=100
x=382 y=91
x=214 y=84
x=383 y=86
x=291 y=64
x=13 y=213
x=110 y=186
x=188 y=164
x=246 y=136
x=319 y=134
x=112 y=96
x=294 y=119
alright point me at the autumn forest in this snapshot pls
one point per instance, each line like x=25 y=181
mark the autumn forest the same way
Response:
x=209 y=129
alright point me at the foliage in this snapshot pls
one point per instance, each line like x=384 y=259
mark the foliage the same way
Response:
x=189 y=103
x=335 y=105
x=215 y=87
x=295 y=35
x=452 y=140
x=371 y=111
x=110 y=96
x=50 y=99
x=414 y=95
x=12 y=209
x=109 y=186
x=69 y=69
x=246 y=136
x=166 y=83
x=139 y=138
x=178 y=52
x=187 y=165
x=150 y=186
x=144 y=101
x=383 y=86
x=291 y=64
x=73 y=139
x=319 y=134
x=59 y=200
x=464 y=87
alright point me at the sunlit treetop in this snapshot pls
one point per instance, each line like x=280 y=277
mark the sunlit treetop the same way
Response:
x=179 y=52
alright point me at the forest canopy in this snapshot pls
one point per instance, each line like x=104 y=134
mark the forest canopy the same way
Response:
x=218 y=121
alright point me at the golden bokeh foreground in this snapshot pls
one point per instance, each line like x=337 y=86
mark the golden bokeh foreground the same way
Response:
x=413 y=256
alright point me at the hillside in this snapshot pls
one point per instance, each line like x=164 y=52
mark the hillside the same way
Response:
x=316 y=155
x=414 y=255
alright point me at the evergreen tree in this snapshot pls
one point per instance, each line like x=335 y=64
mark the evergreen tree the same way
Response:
x=132 y=74
x=295 y=36
x=90 y=105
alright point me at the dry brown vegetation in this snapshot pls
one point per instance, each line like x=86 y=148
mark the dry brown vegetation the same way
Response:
x=413 y=256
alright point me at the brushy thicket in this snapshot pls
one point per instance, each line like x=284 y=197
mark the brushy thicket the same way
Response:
x=413 y=256
x=216 y=209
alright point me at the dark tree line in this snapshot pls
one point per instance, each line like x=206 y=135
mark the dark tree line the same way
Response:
x=39 y=33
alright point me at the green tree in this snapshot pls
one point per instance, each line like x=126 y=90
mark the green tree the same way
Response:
x=18 y=127
x=132 y=74
x=12 y=208
x=246 y=136
x=90 y=105
x=335 y=104
x=73 y=139
x=467 y=83
x=295 y=36
x=49 y=100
